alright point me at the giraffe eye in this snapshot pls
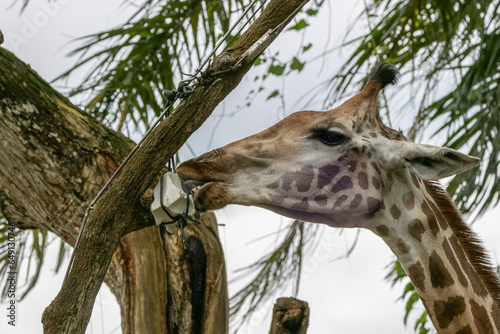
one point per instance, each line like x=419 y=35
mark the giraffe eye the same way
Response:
x=331 y=138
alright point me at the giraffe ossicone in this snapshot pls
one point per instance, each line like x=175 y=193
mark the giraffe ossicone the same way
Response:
x=345 y=168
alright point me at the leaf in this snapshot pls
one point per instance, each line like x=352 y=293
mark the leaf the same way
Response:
x=306 y=47
x=409 y=305
x=276 y=69
x=150 y=52
x=273 y=94
x=420 y=323
x=299 y=26
x=312 y=12
x=259 y=61
x=274 y=271
x=296 y=65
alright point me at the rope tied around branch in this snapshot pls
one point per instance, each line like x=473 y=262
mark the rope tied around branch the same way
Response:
x=183 y=91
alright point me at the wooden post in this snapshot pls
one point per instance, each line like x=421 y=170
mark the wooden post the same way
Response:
x=290 y=316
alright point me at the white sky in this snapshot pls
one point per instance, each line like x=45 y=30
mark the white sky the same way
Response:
x=345 y=296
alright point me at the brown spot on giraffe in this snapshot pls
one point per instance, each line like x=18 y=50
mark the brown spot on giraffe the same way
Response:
x=342 y=158
x=343 y=183
x=496 y=316
x=376 y=182
x=375 y=166
x=302 y=205
x=453 y=261
x=416 y=229
x=373 y=204
x=465 y=330
x=439 y=216
x=382 y=230
x=477 y=284
x=363 y=180
x=414 y=180
x=416 y=272
x=447 y=310
x=326 y=174
x=439 y=275
x=481 y=319
x=431 y=219
x=339 y=201
x=302 y=179
x=402 y=246
x=395 y=212
x=356 y=201
x=409 y=200
x=321 y=200
x=351 y=165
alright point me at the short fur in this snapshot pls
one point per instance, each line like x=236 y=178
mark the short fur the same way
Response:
x=468 y=240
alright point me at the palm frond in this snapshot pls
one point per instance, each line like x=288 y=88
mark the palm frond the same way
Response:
x=131 y=65
x=273 y=272
x=22 y=252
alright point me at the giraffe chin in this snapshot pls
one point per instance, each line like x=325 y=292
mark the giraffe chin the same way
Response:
x=212 y=196
x=337 y=221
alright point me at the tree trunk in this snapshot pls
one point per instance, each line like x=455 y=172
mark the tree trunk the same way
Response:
x=55 y=160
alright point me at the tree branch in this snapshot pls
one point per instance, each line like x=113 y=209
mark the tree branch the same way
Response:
x=70 y=311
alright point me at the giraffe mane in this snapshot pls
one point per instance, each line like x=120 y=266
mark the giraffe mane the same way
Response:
x=470 y=243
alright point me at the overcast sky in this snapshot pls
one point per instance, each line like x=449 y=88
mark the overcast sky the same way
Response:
x=345 y=296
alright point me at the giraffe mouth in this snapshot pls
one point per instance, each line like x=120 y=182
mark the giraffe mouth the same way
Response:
x=192 y=186
x=208 y=195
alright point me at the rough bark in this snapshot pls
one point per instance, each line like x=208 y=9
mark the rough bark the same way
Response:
x=200 y=312
x=70 y=311
x=54 y=159
x=290 y=316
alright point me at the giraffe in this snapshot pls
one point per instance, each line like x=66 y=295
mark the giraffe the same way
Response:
x=345 y=168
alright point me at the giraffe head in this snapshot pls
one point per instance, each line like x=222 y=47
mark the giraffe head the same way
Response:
x=328 y=167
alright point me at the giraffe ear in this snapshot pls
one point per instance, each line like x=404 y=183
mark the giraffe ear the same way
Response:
x=434 y=163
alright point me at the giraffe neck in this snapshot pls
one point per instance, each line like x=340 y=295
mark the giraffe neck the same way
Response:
x=441 y=256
